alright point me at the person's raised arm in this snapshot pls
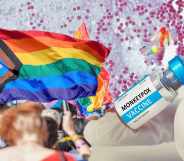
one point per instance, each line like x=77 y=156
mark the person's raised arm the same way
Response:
x=68 y=127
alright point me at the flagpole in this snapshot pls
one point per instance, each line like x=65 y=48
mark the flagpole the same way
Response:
x=65 y=106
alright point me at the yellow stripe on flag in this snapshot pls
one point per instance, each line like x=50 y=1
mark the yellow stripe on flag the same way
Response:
x=96 y=101
x=54 y=54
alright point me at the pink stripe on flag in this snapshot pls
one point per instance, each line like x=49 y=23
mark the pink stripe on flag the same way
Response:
x=48 y=105
x=1 y=66
x=73 y=102
x=111 y=105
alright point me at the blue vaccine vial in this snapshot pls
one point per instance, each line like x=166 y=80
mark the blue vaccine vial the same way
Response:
x=150 y=95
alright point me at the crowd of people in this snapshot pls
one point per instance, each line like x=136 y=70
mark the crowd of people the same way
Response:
x=30 y=132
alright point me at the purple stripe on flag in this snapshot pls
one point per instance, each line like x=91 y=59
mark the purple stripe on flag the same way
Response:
x=48 y=94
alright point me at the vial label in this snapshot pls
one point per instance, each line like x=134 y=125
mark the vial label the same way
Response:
x=140 y=103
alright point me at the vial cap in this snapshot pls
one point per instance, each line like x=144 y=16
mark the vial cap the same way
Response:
x=177 y=67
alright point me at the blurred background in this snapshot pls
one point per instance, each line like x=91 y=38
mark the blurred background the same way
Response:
x=125 y=27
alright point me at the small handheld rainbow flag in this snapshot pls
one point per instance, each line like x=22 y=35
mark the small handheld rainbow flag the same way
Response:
x=44 y=66
x=153 y=50
x=164 y=35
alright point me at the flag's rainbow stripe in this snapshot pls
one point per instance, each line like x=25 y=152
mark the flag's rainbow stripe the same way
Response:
x=46 y=66
x=103 y=96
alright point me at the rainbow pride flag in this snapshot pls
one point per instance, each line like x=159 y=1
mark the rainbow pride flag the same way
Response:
x=44 y=66
x=90 y=105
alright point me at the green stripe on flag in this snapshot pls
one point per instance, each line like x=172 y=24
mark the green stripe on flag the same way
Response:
x=58 y=68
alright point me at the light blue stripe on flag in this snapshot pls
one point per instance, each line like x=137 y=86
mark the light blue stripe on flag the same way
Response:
x=141 y=107
x=67 y=80
x=3 y=68
x=59 y=103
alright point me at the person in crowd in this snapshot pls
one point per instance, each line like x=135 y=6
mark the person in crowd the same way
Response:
x=28 y=131
x=53 y=119
x=93 y=117
x=71 y=107
x=52 y=128
x=60 y=111
x=108 y=134
x=73 y=110
x=52 y=114
x=35 y=107
x=3 y=109
x=71 y=129
x=179 y=129
x=79 y=126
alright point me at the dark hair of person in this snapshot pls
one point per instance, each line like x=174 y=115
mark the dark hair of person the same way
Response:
x=60 y=111
x=3 y=107
x=79 y=125
x=52 y=128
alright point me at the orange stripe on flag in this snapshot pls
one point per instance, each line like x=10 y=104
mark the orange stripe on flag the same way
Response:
x=82 y=33
x=106 y=77
x=31 y=45
x=78 y=35
x=100 y=93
